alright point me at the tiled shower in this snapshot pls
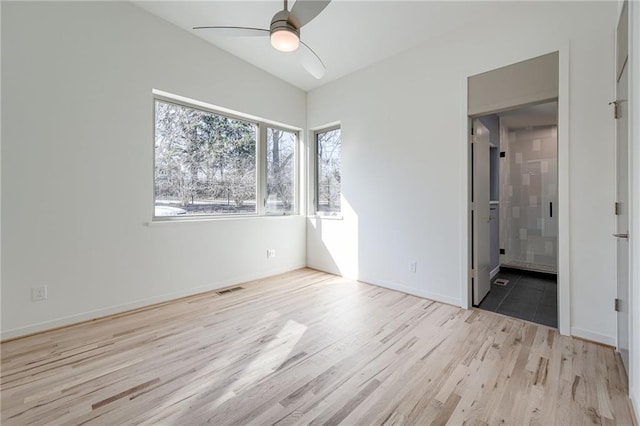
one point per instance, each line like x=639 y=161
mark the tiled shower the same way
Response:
x=529 y=199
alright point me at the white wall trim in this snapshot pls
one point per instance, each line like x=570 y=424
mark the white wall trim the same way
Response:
x=412 y=291
x=593 y=336
x=564 y=258
x=494 y=272
x=326 y=268
x=397 y=287
x=113 y=310
x=564 y=242
x=466 y=292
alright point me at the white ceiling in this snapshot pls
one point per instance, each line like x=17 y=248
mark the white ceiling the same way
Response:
x=347 y=35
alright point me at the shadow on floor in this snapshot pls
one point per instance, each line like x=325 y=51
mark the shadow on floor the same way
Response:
x=529 y=296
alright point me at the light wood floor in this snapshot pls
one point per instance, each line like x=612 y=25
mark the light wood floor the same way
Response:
x=307 y=347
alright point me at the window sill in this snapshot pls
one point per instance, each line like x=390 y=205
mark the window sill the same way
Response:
x=173 y=220
x=323 y=217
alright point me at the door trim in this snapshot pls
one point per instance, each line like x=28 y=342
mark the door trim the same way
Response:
x=623 y=65
x=634 y=202
x=564 y=271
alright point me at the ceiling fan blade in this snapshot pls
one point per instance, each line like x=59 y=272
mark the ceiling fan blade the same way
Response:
x=310 y=61
x=303 y=11
x=236 y=31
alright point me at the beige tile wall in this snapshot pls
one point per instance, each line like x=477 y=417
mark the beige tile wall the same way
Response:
x=528 y=184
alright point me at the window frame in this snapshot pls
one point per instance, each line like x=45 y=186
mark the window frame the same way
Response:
x=296 y=170
x=316 y=132
x=261 y=159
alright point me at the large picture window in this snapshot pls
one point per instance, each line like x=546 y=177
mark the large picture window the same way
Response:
x=328 y=165
x=207 y=163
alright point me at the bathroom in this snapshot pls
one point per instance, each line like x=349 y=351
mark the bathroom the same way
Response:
x=523 y=222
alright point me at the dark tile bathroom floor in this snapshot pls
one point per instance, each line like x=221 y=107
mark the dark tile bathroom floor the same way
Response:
x=530 y=296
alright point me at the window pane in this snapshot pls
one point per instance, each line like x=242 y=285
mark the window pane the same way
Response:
x=205 y=163
x=280 y=171
x=329 y=146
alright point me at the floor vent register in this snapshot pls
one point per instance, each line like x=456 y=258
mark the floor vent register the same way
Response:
x=229 y=290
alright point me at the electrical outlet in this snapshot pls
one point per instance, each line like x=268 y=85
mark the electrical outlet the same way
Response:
x=271 y=253
x=38 y=293
x=413 y=266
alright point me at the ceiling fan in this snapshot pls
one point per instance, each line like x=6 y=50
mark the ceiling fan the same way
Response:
x=284 y=32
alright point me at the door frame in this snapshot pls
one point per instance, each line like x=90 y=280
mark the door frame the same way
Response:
x=626 y=205
x=631 y=209
x=564 y=266
x=634 y=203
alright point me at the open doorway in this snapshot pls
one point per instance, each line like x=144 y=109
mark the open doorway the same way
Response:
x=515 y=223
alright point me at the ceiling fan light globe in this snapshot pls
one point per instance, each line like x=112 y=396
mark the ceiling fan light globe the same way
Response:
x=285 y=40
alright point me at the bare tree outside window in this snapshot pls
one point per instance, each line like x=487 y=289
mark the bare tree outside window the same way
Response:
x=205 y=163
x=280 y=171
x=328 y=165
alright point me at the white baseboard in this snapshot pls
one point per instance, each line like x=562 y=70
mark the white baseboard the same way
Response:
x=325 y=268
x=113 y=310
x=593 y=336
x=413 y=291
x=395 y=286
x=494 y=272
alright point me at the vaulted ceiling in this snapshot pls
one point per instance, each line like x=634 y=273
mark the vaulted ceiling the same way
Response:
x=347 y=35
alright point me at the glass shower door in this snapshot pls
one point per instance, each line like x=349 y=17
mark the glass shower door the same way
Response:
x=532 y=231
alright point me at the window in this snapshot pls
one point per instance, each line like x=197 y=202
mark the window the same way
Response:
x=206 y=163
x=328 y=164
x=281 y=171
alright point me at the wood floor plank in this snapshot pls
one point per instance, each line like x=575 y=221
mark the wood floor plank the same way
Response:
x=307 y=347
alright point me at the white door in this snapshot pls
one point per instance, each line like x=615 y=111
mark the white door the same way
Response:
x=622 y=192
x=481 y=212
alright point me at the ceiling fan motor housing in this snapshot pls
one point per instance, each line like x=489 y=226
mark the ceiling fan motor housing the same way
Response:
x=281 y=22
x=285 y=37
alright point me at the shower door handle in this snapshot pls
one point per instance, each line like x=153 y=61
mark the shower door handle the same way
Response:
x=621 y=236
x=550 y=209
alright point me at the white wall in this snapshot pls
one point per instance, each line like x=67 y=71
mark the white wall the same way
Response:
x=403 y=141
x=0 y=175
x=77 y=164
